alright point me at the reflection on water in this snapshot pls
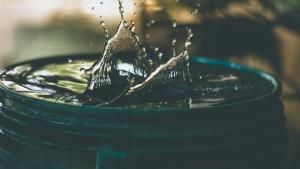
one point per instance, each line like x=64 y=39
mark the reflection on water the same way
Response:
x=63 y=82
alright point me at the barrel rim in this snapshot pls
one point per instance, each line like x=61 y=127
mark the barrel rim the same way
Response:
x=275 y=93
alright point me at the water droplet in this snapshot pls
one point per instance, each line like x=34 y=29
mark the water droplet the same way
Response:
x=174 y=47
x=147 y=36
x=150 y=23
x=144 y=49
x=133 y=28
x=160 y=55
x=195 y=11
x=101 y=2
x=70 y=60
x=174 y=24
x=174 y=41
x=93 y=8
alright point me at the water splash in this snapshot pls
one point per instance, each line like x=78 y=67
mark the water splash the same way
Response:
x=180 y=61
x=102 y=23
x=125 y=67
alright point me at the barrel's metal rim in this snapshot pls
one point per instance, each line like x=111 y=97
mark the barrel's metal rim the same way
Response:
x=5 y=92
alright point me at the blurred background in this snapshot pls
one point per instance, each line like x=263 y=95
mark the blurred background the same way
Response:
x=260 y=33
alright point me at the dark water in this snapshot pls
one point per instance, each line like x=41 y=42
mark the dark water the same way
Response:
x=60 y=80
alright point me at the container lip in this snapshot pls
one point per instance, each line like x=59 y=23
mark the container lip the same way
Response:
x=5 y=92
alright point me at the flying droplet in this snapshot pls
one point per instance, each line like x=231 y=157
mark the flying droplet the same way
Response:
x=160 y=55
x=147 y=36
x=150 y=23
x=102 y=23
x=144 y=49
x=174 y=24
x=174 y=42
x=132 y=28
x=195 y=11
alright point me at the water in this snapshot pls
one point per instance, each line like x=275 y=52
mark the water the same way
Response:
x=130 y=74
x=127 y=66
x=61 y=81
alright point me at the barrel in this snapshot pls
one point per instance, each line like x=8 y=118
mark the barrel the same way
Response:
x=248 y=134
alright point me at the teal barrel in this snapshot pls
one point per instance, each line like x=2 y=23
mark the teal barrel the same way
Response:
x=247 y=134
